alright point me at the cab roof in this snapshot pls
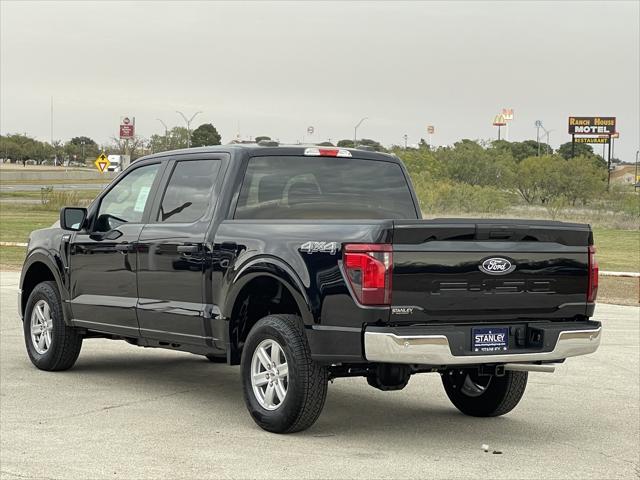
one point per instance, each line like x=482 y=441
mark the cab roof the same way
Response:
x=260 y=150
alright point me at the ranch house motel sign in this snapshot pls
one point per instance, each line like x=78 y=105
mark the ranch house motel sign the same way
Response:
x=593 y=130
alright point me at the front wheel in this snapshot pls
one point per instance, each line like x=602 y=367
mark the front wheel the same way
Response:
x=284 y=389
x=51 y=344
x=484 y=395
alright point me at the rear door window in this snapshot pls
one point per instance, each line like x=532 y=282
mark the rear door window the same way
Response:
x=189 y=191
x=324 y=188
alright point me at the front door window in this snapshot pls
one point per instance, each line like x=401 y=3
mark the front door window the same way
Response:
x=126 y=202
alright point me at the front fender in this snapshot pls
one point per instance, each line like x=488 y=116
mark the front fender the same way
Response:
x=273 y=267
x=54 y=264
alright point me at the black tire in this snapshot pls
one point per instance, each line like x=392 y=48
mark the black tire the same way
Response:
x=216 y=358
x=65 y=344
x=489 y=396
x=306 y=382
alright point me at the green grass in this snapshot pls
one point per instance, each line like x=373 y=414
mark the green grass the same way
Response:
x=18 y=220
x=35 y=194
x=618 y=250
x=11 y=258
x=58 y=181
x=619 y=290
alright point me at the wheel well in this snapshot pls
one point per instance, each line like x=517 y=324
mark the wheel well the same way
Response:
x=38 y=272
x=262 y=296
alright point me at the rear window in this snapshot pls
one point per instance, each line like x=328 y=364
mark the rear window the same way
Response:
x=323 y=188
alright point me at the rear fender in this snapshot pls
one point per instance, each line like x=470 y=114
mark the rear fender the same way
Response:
x=275 y=268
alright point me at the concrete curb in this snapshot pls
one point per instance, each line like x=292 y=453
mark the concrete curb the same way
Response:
x=605 y=273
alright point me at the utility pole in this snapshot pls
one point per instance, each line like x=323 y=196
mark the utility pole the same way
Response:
x=55 y=155
x=355 y=132
x=188 y=122
x=637 y=182
x=51 y=120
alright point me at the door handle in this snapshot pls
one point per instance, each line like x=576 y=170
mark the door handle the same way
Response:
x=124 y=247
x=188 y=248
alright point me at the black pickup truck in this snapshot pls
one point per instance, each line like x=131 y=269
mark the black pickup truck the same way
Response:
x=305 y=264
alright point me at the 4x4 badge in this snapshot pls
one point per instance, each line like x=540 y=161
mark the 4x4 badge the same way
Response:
x=319 y=247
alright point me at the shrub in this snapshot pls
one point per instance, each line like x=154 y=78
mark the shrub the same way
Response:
x=453 y=197
x=55 y=200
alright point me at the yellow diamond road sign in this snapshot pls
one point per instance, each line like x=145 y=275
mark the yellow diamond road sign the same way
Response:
x=102 y=163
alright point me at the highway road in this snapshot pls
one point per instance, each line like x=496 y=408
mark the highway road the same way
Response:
x=57 y=186
x=128 y=412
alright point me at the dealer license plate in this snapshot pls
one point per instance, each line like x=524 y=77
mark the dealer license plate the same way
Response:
x=490 y=339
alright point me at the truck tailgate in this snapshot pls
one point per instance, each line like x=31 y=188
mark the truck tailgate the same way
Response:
x=490 y=270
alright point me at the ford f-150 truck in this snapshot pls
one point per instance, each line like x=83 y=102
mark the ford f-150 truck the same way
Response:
x=305 y=264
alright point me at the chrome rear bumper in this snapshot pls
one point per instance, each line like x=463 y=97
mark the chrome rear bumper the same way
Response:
x=434 y=349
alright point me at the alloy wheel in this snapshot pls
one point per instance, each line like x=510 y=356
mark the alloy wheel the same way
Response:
x=41 y=327
x=269 y=374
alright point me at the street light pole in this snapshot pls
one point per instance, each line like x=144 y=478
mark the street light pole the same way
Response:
x=166 y=134
x=188 y=122
x=355 y=131
x=538 y=125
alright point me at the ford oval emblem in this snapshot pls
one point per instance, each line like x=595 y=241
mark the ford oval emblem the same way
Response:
x=497 y=266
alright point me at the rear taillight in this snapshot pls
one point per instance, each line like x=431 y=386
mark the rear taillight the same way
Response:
x=592 y=287
x=368 y=267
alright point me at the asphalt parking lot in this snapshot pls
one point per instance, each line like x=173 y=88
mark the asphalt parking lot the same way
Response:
x=128 y=412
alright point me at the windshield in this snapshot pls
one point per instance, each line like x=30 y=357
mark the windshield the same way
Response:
x=324 y=188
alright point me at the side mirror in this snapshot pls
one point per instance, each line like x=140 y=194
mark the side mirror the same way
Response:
x=72 y=218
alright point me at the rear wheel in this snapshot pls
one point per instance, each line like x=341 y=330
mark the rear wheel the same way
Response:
x=51 y=344
x=284 y=389
x=484 y=395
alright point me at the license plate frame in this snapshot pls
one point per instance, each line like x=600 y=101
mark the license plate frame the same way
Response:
x=489 y=339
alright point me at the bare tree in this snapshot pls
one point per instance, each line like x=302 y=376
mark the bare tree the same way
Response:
x=129 y=146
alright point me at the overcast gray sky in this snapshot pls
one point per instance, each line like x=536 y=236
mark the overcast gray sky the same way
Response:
x=275 y=68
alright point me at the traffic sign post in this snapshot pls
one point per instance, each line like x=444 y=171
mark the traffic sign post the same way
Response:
x=127 y=127
x=102 y=163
